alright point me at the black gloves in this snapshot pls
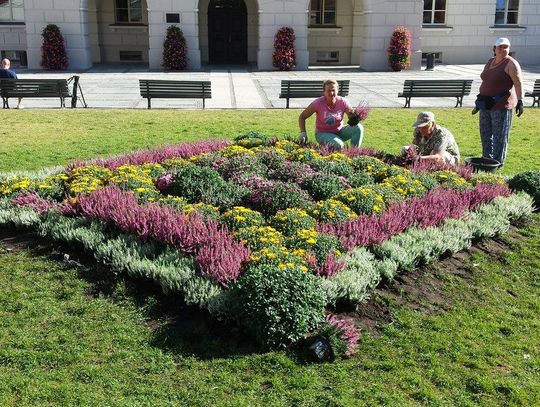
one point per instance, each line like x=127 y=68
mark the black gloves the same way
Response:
x=519 y=108
x=354 y=119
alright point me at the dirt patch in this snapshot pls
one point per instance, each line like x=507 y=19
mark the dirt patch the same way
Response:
x=423 y=289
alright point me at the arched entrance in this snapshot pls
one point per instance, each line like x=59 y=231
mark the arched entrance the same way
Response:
x=227 y=32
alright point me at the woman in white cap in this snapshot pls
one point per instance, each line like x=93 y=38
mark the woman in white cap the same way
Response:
x=433 y=142
x=500 y=92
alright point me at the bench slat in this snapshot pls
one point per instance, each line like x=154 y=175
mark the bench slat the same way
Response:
x=168 y=89
x=308 y=89
x=39 y=88
x=535 y=94
x=436 y=88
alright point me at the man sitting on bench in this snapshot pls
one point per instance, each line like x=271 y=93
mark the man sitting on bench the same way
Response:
x=6 y=73
x=433 y=142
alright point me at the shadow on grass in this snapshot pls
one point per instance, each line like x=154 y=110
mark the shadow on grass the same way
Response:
x=177 y=327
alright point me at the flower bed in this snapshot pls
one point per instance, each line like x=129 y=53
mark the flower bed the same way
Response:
x=264 y=231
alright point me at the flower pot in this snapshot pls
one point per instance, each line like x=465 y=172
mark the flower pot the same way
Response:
x=483 y=164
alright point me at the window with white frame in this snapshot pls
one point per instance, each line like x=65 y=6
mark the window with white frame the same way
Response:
x=128 y=11
x=434 y=12
x=11 y=10
x=506 y=12
x=322 y=12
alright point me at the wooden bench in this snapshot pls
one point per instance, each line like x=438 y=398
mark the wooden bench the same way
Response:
x=39 y=88
x=535 y=94
x=167 y=89
x=308 y=89
x=436 y=88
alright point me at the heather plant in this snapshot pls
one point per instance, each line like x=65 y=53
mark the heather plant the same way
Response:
x=271 y=158
x=174 y=50
x=279 y=196
x=342 y=335
x=53 y=49
x=323 y=185
x=362 y=200
x=529 y=182
x=241 y=217
x=330 y=211
x=284 y=55
x=399 y=49
x=292 y=220
x=278 y=306
x=242 y=164
x=290 y=171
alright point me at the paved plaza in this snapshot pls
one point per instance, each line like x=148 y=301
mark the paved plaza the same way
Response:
x=243 y=88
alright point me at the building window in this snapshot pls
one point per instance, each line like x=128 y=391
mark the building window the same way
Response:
x=506 y=12
x=11 y=10
x=322 y=12
x=128 y=11
x=327 y=56
x=434 y=11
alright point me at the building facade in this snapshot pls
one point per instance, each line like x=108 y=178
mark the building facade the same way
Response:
x=226 y=32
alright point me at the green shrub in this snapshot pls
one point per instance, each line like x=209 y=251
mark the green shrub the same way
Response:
x=342 y=168
x=290 y=221
x=201 y=184
x=330 y=211
x=278 y=306
x=323 y=185
x=529 y=182
x=282 y=195
x=360 y=179
x=363 y=200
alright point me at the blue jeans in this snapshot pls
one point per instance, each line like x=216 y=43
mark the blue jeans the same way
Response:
x=494 y=132
x=353 y=133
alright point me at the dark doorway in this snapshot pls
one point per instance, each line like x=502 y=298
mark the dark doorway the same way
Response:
x=227 y=32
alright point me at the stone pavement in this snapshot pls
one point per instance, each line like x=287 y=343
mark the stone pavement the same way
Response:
x=241 y=88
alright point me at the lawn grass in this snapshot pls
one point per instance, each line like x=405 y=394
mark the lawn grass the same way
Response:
x=78 y=336
x=81 y=336
x=32 y=139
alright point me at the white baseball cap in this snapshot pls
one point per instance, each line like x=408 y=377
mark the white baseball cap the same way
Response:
x=502 y=41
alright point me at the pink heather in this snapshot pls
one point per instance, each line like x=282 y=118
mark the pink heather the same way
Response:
x=429 y=210
x=217 y=254
x=41 y=205
x=157 y=155
x=329 y=268
x=348 y=332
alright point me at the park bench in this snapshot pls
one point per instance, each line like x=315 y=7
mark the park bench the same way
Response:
x=535 y=94
x=167 y=89
x=38 y=88
x=436 y=88
x=308 y=89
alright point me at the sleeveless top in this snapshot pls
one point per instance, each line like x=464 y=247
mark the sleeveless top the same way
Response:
x=328 y=119
x=495 y=81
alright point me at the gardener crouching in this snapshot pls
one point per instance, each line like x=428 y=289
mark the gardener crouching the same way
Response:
x=431 y=141
x=330 y=111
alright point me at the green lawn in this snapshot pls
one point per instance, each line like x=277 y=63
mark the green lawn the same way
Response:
x=80 y=336
x=32 y=139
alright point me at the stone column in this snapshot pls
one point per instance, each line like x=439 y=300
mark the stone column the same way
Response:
x=72 y=19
